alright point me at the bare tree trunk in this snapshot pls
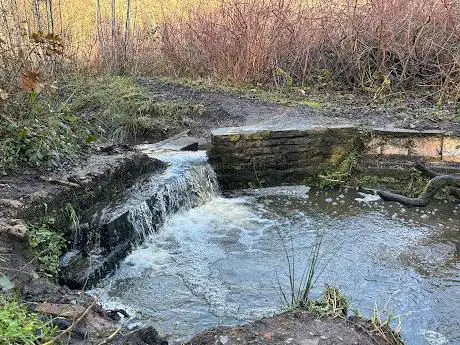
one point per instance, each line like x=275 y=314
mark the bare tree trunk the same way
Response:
x=51 y=15
x=127 y=27
x=19 y=21
x=60 y=17
x=100 y=37
x=114 y=28
x=113 y=18
x=38 y=15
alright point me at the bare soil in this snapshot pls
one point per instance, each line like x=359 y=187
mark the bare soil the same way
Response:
x=296 y=328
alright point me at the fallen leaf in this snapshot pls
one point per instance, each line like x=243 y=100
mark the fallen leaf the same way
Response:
x=268 y=336
x=31 y=82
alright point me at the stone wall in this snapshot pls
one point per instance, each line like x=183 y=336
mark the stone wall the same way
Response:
x=245 y=157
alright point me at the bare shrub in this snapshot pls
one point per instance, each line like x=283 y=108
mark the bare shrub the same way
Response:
x=353 y=44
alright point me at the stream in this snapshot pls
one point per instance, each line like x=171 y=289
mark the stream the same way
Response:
x=224 y=262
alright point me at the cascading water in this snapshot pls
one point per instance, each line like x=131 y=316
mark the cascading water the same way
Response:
x=182 y=187
x=215 y=260
x=187 y=182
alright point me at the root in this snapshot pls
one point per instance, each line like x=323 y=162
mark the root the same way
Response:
x=433 y=186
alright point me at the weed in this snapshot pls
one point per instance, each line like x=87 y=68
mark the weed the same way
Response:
x=298 y=294
x=283 y=79
x=384 y=326
x=416 y=184
x=333 y=303
x=46 y=244
x=20 y=326
x=341 y=173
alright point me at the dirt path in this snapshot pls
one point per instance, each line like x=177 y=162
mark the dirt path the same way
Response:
x=245 y=109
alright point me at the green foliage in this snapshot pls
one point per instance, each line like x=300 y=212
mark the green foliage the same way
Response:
x=19 y=326
x=39 y=142
x=333 y=303
x=47 y=245
x=341 y=173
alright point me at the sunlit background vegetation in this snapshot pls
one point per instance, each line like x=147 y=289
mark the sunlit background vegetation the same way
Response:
x=375 y=47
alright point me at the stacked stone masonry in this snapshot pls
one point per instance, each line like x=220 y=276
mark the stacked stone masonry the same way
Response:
x=244 y=157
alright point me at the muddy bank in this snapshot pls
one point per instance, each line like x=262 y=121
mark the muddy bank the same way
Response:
x=299 y=327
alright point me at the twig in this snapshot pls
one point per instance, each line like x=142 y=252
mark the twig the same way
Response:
x=7 y=119
x=111 y=336
x=72 y=326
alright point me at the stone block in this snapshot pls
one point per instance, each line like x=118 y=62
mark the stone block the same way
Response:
x=451 y=149
x=428 y=147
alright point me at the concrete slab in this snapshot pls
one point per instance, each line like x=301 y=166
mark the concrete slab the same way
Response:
x=181 y=144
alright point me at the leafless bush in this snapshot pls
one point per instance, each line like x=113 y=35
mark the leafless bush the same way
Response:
x=403 y=44
x=372 y=45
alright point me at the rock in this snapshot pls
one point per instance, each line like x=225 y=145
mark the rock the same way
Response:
x=56 y=309
x=143 y=336
x=15 y=204
x=15 y=228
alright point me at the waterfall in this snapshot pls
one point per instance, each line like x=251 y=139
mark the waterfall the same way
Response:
x=128 y=220
x=189 y=181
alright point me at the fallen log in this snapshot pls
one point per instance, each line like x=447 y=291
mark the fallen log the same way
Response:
x=433 y=186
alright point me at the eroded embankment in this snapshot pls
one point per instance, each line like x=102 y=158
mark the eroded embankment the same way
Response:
x=40 y=216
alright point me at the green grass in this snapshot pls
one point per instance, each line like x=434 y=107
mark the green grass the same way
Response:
x=19 y=326
x=48 y=130
x=122 y=110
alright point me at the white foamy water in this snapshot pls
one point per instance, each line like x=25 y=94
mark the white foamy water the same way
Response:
x=217 y=263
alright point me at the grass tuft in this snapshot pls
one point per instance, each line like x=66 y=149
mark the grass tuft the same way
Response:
x=19 y=326
x=298 y=294
x=333 y=303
